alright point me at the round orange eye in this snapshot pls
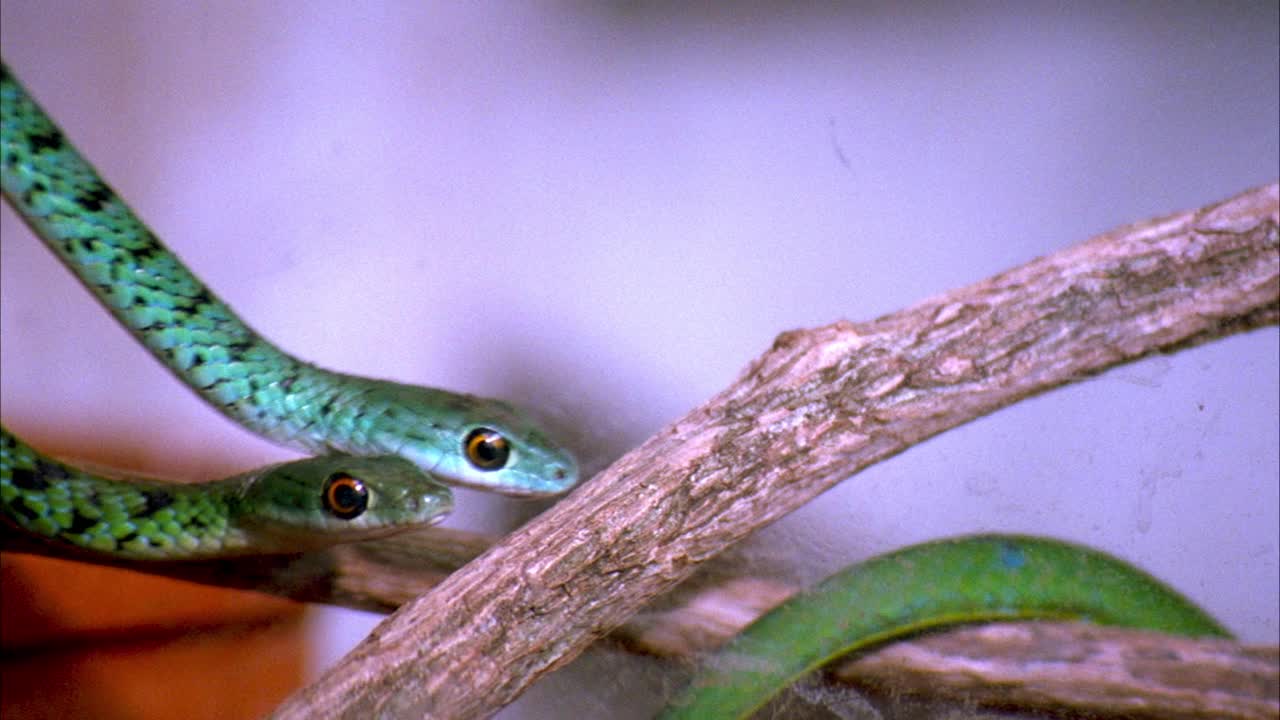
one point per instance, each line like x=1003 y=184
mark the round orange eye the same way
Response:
x=344 y=496
x=486 y=449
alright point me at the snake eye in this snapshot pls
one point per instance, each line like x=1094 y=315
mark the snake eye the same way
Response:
x=345 y=496
x=486 y=449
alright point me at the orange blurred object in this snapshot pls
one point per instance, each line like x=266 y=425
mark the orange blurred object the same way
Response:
x=81 y=641
x=84 y=641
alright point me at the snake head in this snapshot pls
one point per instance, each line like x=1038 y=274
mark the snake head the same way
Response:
x=340 y=498
x=465 y=440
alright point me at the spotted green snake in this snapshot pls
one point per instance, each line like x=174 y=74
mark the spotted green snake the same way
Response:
x=287 y=507
x=461 y=439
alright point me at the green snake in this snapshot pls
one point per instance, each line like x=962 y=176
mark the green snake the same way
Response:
x=461 y=439
x=972 y=579
x=281 y=508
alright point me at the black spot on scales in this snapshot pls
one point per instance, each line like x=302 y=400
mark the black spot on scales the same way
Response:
x=143 y=252
x=51 y=471
x=22 y=509
x=51 y=140
x=81 y=523
x=95 y=198
x=202 y=297
x=156 y=500
x=25 y=479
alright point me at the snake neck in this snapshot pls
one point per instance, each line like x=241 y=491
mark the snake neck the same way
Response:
x=202 y=341
x=130 y=519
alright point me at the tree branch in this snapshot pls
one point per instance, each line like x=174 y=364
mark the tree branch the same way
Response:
x=1083 y=670
x=816 y=408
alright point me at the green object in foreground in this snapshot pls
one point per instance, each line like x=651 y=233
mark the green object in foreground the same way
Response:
x=289 y=507
x=462 y=439
x=971 y=579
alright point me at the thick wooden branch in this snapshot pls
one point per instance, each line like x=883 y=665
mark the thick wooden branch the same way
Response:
x=816 y=408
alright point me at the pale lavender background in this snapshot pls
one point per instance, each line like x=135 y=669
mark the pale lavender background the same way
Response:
x=605 y=210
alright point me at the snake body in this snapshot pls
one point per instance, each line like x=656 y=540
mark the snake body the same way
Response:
x=288 y=507
x=971 y=579
x=462 y=439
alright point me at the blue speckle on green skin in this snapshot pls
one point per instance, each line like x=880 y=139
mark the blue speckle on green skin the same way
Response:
x=1011 y=556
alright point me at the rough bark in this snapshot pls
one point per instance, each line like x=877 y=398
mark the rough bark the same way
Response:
x=1079 y=670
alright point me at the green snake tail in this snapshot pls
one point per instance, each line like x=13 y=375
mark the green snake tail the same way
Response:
x=289 y=507
x=462 y=439
x=972 y=579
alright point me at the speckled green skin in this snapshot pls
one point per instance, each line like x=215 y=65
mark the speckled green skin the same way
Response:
x=971 y=579
x=268 y=510
x=200 y=339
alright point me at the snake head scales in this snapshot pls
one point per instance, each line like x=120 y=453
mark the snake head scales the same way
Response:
x=336 y=499
x=465 y=440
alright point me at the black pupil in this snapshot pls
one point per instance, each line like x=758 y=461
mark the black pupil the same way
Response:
x=486 y=449
x=345 y=496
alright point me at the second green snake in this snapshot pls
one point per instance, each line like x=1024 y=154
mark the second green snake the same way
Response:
x=288 y=507
x=971 y=579
x=461 y=439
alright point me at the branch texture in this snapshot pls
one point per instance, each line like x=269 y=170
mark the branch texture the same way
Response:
x=1086 y=670
x=819 y=406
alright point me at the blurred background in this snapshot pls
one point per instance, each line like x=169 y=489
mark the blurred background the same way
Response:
x=603 y=211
